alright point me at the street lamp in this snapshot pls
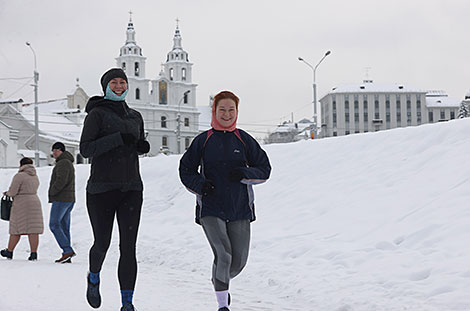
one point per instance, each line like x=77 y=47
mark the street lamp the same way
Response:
x=315 y=128
x=178 y=119
x=36 y=113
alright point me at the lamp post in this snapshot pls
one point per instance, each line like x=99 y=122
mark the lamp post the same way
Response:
x=314 y=69
x=178 y=120
x=36 y=112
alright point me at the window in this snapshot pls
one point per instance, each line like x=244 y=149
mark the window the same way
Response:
x=387 y=113
x=431 y=117
x=186 y=143
x=165 y=141
x=346 y=133
x=137 y=69
x=452 y=115
x=185 y=99
x=408 y=110
x=163 y=121
x=162 y=91
x=183 y=74
x=398 y=111
x=335 y=134
x=137 y=93
x=376 y=109
x=356 y=112
x=346 y=112
x=171 y=74
x=123 y=66
x=334 y=112
x=418 y=109
x=186 y=121
x=443 y=114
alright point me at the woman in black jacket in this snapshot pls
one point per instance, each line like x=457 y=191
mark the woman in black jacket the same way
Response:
x=113 y=137
x=220 y=167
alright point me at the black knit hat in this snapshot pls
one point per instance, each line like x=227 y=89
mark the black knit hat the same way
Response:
x=59 y=146
x=111 y=74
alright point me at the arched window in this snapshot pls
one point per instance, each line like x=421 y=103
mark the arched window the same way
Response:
x=186 y=121
x=183 y=74
x=165 y=141
x=137 y=93
x=137 y=69
x=162 y=91
x=163 y=121
x=171 y=74
x=124 y=66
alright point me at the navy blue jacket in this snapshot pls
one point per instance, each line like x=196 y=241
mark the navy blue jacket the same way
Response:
x=212 y=157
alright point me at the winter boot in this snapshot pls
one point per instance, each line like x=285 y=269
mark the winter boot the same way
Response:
x=224 y=309
x=93 y=294
x=33 y=256
x=128 y=307
x=6 y=253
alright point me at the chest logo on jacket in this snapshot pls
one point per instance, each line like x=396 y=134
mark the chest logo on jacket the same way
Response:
x=236 y=150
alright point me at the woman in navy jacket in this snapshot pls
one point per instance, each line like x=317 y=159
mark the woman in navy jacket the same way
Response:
x=220 y=167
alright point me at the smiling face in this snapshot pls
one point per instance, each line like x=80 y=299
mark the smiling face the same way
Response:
x=226 y=112
x=118 y=86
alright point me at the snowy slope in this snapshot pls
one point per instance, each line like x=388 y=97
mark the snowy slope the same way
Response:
x=376 y=221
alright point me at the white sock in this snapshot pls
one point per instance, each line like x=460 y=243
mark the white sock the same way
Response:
x=222 y=298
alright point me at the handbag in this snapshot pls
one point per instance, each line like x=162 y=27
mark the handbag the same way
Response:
x=5 y=207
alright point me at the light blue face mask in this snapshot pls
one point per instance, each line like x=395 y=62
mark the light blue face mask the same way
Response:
x=113 y=96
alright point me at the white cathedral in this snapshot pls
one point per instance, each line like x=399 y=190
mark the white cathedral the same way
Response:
x=167 y=104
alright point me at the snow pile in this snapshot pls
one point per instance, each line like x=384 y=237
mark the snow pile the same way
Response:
x=376 y=221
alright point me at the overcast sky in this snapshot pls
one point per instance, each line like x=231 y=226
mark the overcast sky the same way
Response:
x=247 y=46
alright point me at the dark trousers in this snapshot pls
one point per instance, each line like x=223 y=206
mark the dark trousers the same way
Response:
x=101 y=209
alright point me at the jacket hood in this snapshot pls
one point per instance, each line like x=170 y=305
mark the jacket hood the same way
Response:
x=97 y=101
x=65 y=155
x=28 y=169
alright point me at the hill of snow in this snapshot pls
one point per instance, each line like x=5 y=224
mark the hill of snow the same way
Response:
x=376 y=221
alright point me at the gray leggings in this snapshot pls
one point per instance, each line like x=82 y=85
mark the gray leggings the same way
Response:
x=230 y=243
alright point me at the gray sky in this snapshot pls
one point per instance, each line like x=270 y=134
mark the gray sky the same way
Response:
x=249 y=47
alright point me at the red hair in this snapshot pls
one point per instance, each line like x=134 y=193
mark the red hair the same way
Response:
x=224 y=95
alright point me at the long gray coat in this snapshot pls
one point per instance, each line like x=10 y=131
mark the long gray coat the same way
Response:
x=26 y=212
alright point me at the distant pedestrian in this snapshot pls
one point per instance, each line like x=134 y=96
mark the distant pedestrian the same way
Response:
x=62 y=197
x=113 y=137
x=26 y=212
x=220 y=167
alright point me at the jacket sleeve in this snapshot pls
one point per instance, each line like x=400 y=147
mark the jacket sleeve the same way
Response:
x=259 y=168
x=90 y=144
x=143 y=146
x=189 y=164
x=14 y=186
x=62 y=173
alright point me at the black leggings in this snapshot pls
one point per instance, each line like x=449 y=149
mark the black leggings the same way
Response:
x=101 y=209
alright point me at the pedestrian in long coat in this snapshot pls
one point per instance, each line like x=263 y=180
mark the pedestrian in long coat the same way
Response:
x=26 y=212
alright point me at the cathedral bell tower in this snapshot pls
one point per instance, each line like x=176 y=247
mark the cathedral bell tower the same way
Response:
x=133 y=63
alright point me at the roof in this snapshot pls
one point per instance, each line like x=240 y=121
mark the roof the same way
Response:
x=442 y=101
x=370 y=87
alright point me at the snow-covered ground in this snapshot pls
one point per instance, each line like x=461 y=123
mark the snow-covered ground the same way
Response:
x=377 y=221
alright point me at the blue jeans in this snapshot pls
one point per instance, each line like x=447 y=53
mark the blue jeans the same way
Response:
x=59 y=223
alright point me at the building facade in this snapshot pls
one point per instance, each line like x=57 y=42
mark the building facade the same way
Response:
x=370 y=107
x=168 y=103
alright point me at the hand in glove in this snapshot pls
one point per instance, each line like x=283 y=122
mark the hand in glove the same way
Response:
x=143 y=146
x=208 y=188
x=128 y=139
x=236 y=175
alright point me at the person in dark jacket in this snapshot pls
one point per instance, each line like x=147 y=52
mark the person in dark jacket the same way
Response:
x=113 y=137
x=220 y=167
x=62 y=197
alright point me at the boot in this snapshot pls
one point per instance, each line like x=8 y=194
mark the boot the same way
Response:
x=6 y=253
x=128 y=307
x=224 y=309
x=33 y=256
x=65 y=257
x=93 y=294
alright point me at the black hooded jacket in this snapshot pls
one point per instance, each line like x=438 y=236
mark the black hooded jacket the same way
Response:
x=114 y=164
